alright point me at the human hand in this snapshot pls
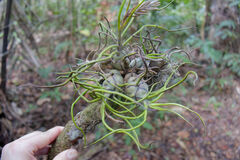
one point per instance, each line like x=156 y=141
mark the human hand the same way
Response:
x=35 y=143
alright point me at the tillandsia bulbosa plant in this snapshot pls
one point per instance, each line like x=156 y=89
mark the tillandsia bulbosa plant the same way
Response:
x=123 y=80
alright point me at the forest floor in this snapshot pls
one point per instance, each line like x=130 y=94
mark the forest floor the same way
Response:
x=174 y=139
x=28 y=108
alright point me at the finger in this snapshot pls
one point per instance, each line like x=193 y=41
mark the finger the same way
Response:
x=70 y=154
x=30 y=135
x=42 y=151
x=44 y=139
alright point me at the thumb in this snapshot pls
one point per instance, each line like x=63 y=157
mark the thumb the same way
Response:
x=70 y=154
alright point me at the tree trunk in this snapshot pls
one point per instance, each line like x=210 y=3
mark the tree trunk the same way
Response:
x=206 y=23
x=5 y=45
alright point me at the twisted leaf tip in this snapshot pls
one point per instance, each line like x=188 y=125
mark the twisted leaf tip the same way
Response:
x=127 y=78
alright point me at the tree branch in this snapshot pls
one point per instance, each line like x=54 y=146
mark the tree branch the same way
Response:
x=86 y=119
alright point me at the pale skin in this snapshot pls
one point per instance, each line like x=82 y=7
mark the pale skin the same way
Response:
x=36 y=143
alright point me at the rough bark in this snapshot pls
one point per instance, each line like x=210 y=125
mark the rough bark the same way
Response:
x=86 y=119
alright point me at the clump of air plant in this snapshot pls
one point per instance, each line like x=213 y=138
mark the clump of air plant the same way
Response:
x=128 y=73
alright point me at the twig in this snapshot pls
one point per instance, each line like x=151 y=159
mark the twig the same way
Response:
x=147 y=38
x=31 y=53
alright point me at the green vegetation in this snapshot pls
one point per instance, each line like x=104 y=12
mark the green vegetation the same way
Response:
x=128 y=73
x=128 y=55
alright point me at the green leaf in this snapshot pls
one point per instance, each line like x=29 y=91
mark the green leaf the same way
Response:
x=132 y=152
x=44 y=72
x=227 y=23
x=31 y=107
x=186 y=1
x=128 y=140
x=60 y=47
x=53 y=94
x=161 y=114
x=147 y=126
x=235 y=3
x=85 y=32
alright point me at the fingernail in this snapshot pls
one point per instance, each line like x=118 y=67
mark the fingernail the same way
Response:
x=53 y=130
x=72 y=154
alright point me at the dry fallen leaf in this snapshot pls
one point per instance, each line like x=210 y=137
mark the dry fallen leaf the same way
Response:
x=41 y=101
x=183 y=134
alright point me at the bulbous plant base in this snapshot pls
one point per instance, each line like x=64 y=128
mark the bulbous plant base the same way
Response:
x=123 y=80
x=86 y=119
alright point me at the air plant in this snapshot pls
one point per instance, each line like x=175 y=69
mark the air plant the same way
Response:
x=123 y=79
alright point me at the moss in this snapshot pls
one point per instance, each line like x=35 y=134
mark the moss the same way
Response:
x=86 y=119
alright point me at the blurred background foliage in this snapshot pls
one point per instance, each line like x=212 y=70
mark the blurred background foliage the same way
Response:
x=69 y=29
x=47 y=35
